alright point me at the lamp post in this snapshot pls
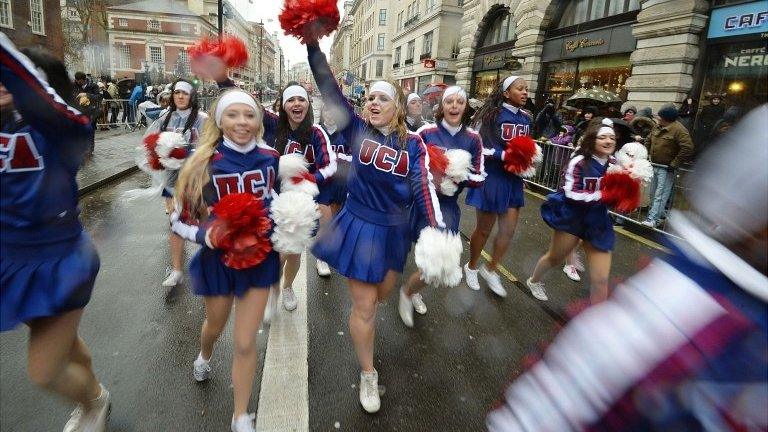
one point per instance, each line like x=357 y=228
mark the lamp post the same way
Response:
x=221 y=18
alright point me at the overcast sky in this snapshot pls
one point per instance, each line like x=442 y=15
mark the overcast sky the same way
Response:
x=267 y=11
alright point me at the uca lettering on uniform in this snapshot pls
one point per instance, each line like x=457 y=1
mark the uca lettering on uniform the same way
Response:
x=294 y=147
x=18 y=153
x=253 y=182
x=512 y=130
x=384 y=158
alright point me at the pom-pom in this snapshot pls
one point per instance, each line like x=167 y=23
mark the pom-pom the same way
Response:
x=309 y=20
x=150 y=146
x=633 y=158
x=620 y=191
x=171 y=150
x=459 y=164
x=295 y=215
x=294 y=167
x=241 y=230
x=230 y=49
x=438 y=256
x=521 y=155
x=437 y=160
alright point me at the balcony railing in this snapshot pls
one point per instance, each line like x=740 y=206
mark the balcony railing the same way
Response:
x=411 y=21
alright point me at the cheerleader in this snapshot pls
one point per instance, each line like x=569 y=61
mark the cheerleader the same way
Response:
x=334 y=193
x=501 y=118
x=231 y=148
x=576 y=212
x=413 y=119
x=368 y=240
x=48 y=264
x=447 y=134
x=183 y=116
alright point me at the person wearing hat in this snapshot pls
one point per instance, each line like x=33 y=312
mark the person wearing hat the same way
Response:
x=629 y=113
x=581 y=125
x=670 y=146
x=709 y=115
x=413 y=114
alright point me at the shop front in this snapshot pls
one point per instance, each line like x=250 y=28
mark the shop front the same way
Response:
x=490 y=69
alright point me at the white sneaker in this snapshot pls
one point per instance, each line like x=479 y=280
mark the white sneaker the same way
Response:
x=322 y=268
x=571 y=272
x=94 y=420
x=202 y=369
x=244 y=423
x=649 y=223
x=369 y=391
x=405 y=307
x=173 y=278
x=289 y=299
x=418 y=304
x=577 y=262
x=471 y=276
x=493 y=280
x=537 y=289
x=271 y=309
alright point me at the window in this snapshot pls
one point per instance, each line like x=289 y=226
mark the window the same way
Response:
x=426 y=49
x=379 y=68
x=184 y=27
x=430 y=6
x=382 y=17
x=122 y=22
x=365 y=69
x=36 y=16
x=156 y=55
x=411 y=51
x=400 y=21
x=6 y=14
x=580 y=11
x=501 y=30
x=154 y=25
x=461 y=3
x=380 y=42
x=397 y=57
x=124 y=57
x=184 y=62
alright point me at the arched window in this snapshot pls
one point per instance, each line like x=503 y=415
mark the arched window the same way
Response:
x=580 y=11
x=502 y=29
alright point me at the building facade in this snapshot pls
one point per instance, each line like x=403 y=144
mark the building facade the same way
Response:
x=425 y=43
x=340 y=52
x=370 y=42
x=33 y=23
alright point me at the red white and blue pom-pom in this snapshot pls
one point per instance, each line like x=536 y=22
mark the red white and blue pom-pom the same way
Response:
x=230 y=49
x=457 y=171
x=521 y=156
x=164 y=150
x=620 y=191
x=309 y=20
x=438 y=256
x=295 y=215
x=633 y=158
x=241 y=229
x=294 y=175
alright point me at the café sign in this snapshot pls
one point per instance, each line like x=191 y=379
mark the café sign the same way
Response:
x=573 y=45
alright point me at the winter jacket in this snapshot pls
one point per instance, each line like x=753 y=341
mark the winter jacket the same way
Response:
x=670 y=145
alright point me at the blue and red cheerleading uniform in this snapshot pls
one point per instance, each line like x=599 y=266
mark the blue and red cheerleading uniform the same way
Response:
x=576 y=207
x=48 y=264
x=680 y=346
x=234 y=170
x=371 y=233
x=334 y=190
x=502 y=190
x=463 y=138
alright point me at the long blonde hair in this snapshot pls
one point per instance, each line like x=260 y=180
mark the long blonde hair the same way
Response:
x=195 y=173
x=397 y=124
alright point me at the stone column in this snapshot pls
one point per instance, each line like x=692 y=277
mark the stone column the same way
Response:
x=532 y=17
x=668 y=33
x=473 y=13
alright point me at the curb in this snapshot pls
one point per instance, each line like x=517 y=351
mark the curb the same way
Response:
x=124 y=170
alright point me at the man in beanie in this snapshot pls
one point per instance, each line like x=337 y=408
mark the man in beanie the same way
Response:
x=629 y=113
x=670 y=146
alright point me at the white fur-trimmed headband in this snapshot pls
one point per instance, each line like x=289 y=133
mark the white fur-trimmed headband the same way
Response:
x=383 y=87
x=230 y=98
x=413 y=96
x=183 y=86
x=508 y=82
x=607 y=127
x=293 y=91
x=454 y=90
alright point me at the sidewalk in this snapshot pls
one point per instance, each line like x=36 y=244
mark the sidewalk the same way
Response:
x=114 y=157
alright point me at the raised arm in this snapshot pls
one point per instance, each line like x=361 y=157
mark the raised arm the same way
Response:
x=420 y=179
x=328 y=86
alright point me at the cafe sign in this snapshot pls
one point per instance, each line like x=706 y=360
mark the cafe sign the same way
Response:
x=575 y=44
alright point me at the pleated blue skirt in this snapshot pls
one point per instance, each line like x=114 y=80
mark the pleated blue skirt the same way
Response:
x=362 y=250
x=589 y=222
x=210 y=277
x=449 y=207
x=500 y=192
x=45 y=281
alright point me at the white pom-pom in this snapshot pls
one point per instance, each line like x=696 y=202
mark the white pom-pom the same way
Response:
x=459 y=164
x=633 y=158
x=159 y=180
x=641 y=169
x=448 y=187
x=438 y=256
x=292 y=166
x=166 y=143
x=295 y=216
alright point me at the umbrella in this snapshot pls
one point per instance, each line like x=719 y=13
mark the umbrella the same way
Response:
x=594 y=96
x=624 y=127
x=475 y=103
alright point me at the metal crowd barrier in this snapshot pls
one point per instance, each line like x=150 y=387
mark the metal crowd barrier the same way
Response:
x=548 y=176
x=116 y=113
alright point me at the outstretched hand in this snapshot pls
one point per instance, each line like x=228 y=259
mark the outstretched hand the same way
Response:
x=209 y=67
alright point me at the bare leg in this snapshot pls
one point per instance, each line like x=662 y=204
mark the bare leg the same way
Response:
x=483 y=228
x=217 y=310
x=176 y=242
x=362 y=321
x=599 y=263
x=562 y=244
x=249 y=311
x=507 y=225
x=384 y=288
x=290 y=268
x=414 y=284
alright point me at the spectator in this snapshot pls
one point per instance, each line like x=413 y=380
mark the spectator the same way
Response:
x=629 y=114
x=413 y=110
x=709 y=115
x=547 y=123
x=426 y=111
x=565 y=137
x=643 y=126
x=88 y=100
x=687 y=112
x=670 y=146
x=114 y=107
x=731 y=116
x=133 y=102
x=582 y=123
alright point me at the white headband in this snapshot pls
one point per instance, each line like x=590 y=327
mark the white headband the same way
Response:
x=413 y=96
x=183 y=86
x=231 y=98
x=606 y=128
x=508 y=82
x=454 y=90
x=293 y=91
x=383 y=87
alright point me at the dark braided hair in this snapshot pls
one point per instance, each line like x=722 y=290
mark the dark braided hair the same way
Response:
x=194 y=106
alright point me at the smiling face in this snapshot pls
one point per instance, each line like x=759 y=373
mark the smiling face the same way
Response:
x=414 y=108
x=296 y=108
x=517 y=92
x=453 y=109
x=239 y=123
x=181 y=99
x=605 y=144
x=381 y=109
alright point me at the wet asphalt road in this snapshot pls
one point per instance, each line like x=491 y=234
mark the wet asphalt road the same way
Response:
x=443 y=375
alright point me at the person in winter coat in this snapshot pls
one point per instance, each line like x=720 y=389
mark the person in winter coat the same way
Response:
x=547 y=123
x=581 y=124
x=709 y=115
x=731 y=116
x=687 y=112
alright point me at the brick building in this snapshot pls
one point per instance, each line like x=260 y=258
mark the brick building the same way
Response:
x=33 y=23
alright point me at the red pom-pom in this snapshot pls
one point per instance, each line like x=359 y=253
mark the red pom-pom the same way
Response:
x=241 y=229
x=306 y=176
x=150 y=144
x=178 y=153
x=309 y=20
x=620 y=191
x=230 y=49
x=519 y=154
x=438 y=162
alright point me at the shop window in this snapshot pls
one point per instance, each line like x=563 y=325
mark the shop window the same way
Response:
x=379 y=68
x=485 y=83
x=581 y=11
x=738 y=71
x=502 y=29
x=561 y=77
